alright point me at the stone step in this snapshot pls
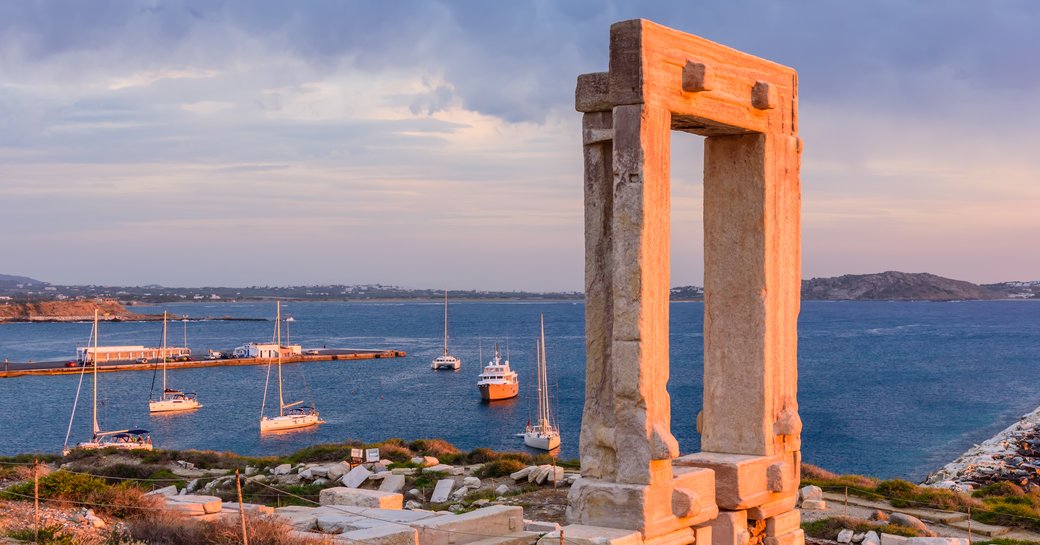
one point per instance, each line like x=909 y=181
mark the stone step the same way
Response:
x=516 y=538
x=931 y=515
x=979 y=528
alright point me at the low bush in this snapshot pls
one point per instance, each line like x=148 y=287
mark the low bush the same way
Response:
x=438 y=448
x=125 y=500
x=48 y=535
x=332 y=452
x=828 y=528
x=1002 y=488
x=500 y=468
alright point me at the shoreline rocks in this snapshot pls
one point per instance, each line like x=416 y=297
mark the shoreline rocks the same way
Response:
x=1012 y=455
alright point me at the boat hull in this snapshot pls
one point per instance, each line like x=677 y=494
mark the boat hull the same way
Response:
x=446 y=364
x=94 y=445
x=542 y=441
x=289 y=422
x=494 y=392
x=173 y=405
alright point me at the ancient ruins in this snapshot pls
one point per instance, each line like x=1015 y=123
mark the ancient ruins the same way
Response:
x=635 y=486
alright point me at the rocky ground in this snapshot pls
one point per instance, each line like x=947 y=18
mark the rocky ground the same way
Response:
x=1012 y=455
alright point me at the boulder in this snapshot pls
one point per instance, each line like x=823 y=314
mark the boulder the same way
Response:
x=871 y=538
x=858 y=537
x=283 y=469
x=307 y=474
x=442 y=491
x=336 y=471
x=392 y=483
x=909 y=521
x=250 y=471
x=460 y=493
x=355 y=477
x=845 y=536
x=358 y=497
x=811 y=493
x=879 y=515
x=428 y=461
x=418 y=460
x=412 y=504
x=192 y=485
x=472 y=482
x=320 y=481
x=502 y=489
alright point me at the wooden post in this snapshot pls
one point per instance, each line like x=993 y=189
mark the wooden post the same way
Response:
x=36 y=498
x=241 y=508
x=846 y=501
x=969 y=524
x=561 y=536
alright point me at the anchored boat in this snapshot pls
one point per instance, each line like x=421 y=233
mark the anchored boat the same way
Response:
x=544 y=435
x=498 y=381
x=172 y=400
x=129 y=439
x=446 y=360
x=290 y=415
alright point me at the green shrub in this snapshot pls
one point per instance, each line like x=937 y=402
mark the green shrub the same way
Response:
x=828 y=528
x=481 y=456
x=49 y=535
x=438 y=448
x=60 y=484
x=500 y=468
x=428 y=479
x=1002 y=488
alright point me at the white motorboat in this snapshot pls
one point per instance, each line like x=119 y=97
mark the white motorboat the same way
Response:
x=290 y=415
x=544 y=434
x=172 y=400
x=498 y=381
x=128 y=439
x=446 y=360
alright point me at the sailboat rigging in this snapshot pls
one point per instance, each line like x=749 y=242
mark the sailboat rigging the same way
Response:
x=290 y=415
x=544 y=434
x=130 y=439
x=446 y=360
x=172 y=400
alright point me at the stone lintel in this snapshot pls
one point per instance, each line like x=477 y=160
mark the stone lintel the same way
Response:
x=647 y=65
x=592 y=93
x=645 y=509
x=783 y=523
x=794 y=537
x=742 y=481
x=582 y=534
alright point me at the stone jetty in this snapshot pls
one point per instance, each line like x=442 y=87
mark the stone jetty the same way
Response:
x=1012 y=455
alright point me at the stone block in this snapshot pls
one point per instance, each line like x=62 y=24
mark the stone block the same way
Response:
x=702 y=535
x=871 y=538
x=471 y=482
x=442 y=491
x=392 y=483
x=730 y=528
x=339 y=523
x=814 y=505
x=523 y=473
x=773 y=507
x=300 y=518
x=810 y=492
x=404 y=471
x=936 y=541
x=439 y=468
x=892 y=539
x=794 y=537
x=697 y=77
x=248 y=508
x=742 y=481
x=647 y=509
x=540 y=526
x=516 y=538
x=783 y=523
x=282 y=469
x=763 y=96
x=845 y=536
x=355 y=477
x=336 y=471
x=580 y=534
x=496 y=520
x=592 y=93
x=164 y=491
x=209 y=504
x=358 y=497
x=387 y=534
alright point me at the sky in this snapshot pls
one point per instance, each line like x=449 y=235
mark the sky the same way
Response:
x=435 y=143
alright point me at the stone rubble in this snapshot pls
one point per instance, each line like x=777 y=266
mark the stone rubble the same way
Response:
x=1011 y=455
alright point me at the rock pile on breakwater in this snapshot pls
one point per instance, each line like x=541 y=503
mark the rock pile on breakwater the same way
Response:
x=1013 y=455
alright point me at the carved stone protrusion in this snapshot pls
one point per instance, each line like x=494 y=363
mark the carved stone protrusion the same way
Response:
x=591 y=93
x=685 y=503
x=697 y=77
x=788 y=423
x=763 y=96
x=776 y=477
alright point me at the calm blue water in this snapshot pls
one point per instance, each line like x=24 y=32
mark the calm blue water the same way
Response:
x=888 y=389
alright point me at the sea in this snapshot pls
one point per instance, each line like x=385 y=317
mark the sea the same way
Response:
x=889 y=389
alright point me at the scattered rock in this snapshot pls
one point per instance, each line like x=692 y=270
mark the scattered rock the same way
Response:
x=857 y=538
x=460 y=493
x=814 y=505
x=283 y=469
x=523 y=473
x=871 y=538
x=442 y=491
x=472 y=482
x=392 y=483
x=355 y=477
x=412 y=504
x=250 y=471
x=909 y=521
x=165 y=491
x=502 y=489
x=336 y=471
x=810 y=493
x=845 y=536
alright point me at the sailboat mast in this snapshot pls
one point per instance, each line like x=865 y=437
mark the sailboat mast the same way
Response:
x=445 y=322
x=278 y=336
x=164 y=354
x=95 y=363
x=543 y=381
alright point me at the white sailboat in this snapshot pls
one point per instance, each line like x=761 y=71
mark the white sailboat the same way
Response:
x=130 y=439
x=290 y=415
x=172 y=400
x=544 y=434
x=446 y=360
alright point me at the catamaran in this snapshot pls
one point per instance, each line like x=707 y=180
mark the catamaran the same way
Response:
x=130 y=439
x=544 y=434
x=498 y=381
x=290 y=415
x=446 y=360
x=172 y=400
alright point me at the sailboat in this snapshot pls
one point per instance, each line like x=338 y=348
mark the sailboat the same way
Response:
x=172 y=400
x=131 y=439
x=544 y=434
x=446 y=360
x=290 y=415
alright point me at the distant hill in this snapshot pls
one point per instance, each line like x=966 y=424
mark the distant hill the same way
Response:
x=10 y=281
x=894 y=286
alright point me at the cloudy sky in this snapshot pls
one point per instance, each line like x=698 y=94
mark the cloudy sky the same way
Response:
x=434 y=143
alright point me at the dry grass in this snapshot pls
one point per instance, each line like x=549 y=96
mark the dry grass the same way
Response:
x=169 y=529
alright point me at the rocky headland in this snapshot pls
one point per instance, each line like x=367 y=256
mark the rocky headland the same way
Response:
x=68 y=311
x=895 y=286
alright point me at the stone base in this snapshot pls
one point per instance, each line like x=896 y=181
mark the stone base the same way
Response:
x=580 y=534
x=649 y=510
x=476 y=525
x=358 y=497
x=742 y=481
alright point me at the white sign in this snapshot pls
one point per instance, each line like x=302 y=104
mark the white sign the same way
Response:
x=356 y=453
x=372 y=455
